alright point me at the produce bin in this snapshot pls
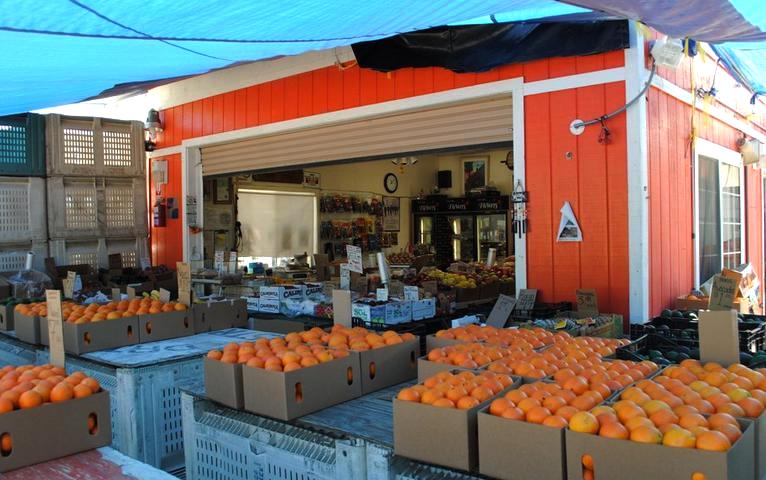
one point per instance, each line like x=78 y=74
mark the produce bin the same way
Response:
x=22 y=145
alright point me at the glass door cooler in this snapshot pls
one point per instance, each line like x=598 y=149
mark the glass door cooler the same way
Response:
x=492 y=232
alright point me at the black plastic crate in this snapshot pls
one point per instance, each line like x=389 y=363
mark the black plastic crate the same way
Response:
x=540 y=311
x=640 y=348
x=752 y=331
x=22 y=145
x=408 y=327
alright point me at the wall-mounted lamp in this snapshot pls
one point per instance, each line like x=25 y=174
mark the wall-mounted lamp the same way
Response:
x=753 y=115
x=402 y=162
x=153 y=126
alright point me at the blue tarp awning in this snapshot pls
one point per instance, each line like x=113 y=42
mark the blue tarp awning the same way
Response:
x=62 y=51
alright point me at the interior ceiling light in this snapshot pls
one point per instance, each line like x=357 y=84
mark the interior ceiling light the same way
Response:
x=402 y=162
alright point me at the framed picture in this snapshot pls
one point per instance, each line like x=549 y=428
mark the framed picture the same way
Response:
x=223 y=191
x=391 y=214
x=475 y=173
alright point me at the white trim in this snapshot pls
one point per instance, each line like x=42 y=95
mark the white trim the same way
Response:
x=638 y=185
x=685 y=96
x=162 y=152
x=242 y=76
x=519 y=174
x=729 y=157
x=575 y=81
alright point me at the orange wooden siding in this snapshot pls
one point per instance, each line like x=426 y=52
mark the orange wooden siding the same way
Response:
x=166 y=242
x=671 y=199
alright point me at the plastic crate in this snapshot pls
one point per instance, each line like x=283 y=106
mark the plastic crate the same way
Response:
x=145 y=406
x=540 y=311
x=382 y=464
x=96 y=206
x=95 y=251
x=85 y=146
x=22 y=145
x=16 y=352
x=225 y=444
x=13 y=257
x=22 y=207
x=752 y=331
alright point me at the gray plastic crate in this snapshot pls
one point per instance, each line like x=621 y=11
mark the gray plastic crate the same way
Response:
x=95 y=251
x=96 y=207
x=146 y=406
x=13 y=256
x=22 y=145
x=382 y=464
x=16 y=352
x=225 y=444
x=86 y=146
x=22 y=209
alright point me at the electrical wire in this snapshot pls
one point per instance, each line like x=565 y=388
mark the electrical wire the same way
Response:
x=606 y=117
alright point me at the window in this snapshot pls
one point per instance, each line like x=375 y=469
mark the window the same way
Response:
x=720 y=206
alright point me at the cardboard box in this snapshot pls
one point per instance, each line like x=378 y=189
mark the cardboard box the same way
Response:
x=369 y=313
x=223 y=382
x=219 y=315
x=759 y=434
x=742 y=305
x=398 y=312
x=427 y=368
x=313 y=290
x=432 y=341
x=391 y=365
x=512 y=449
x=279 y=325
x=27 y=328
x=268 y=305
x=6 y=317
x=416 y=425
x=422 y=309
x=289 y=395
x=55 y=430
x=162 y=326
x=283 y=292
x=628 y=460
x=95 y=336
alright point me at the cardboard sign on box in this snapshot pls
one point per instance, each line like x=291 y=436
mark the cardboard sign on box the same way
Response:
x=501 y=311
x=628 y=460
x=587 y=301
x=723 y=293
x=719 y=336
x=163 y=326
x=391 y=365
x=55 y=324
x=223 y=382
x=55 y=430
x=289 y=395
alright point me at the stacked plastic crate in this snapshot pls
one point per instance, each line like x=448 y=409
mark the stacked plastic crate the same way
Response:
x=96 y=190
x=22 y=191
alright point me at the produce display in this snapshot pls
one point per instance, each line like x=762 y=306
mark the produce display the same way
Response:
x=535 y=337
x=470 y=355
x=401 y=258
x=78 y=314
x=30 y=386
x=463 y=390
x=477 y=275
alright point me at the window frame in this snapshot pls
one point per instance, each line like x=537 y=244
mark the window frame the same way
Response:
x=726 y=156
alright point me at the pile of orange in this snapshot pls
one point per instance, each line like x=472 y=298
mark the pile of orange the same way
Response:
x=588 y=346
x=95 y=312
x=656 y=422
x=38 y=309
x=340 y=337
x=276 y=354
x=470 y=355
x=30 y=386
x=534 y=337
x=690 y=386
x=463 y=390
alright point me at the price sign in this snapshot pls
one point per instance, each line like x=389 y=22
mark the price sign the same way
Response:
x=183 y=272
x=232 y=262
x=345 y=277
x=164 y=295
x=411 y=292
x=218 y=261
x=146 y=262
x=723 y=293
x=354 y=258
x=55 y=328
x=587 y=301
x=131 y=291
x=116 y=295
x=501 y=311
x=69 y=284
x=526 y=300
x=381 y=294
x=341 y=307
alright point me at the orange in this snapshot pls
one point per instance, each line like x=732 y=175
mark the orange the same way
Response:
x=467 y=402
x=679 y=437
x=613 y=430
x=537 y=414
x=62 y=392
x=30 y=399
x=528 y=404
x=653 y=406
x=628 y=412
x=663 y=416
x=577 y=384
x=456 y=393
x=713 y=440
x=290 y=366
x=555 y=421
x=513 y=413
x=6 y=443
x=636 y=422
x=587 y=462
x=256 y=362
x=444 y=403
x=409 y=395
x=584 y=422
x=5 y=405
x=752 y=407
x=646 y=434
x=516 y=396
x=732 y=409
x=499 y=405
x=731 y=432
x=430 y=396
x=553 y=403
x=699 y=476
x=567 y=412
x=690 y=420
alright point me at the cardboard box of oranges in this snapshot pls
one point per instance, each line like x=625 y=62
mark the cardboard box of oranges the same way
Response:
x=286 y=381
x=445 y=407
x=27 y=327
x=45 y=414
x=219 y=315
x=223 y=380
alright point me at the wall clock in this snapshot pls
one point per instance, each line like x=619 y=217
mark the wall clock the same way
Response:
x=390 y=182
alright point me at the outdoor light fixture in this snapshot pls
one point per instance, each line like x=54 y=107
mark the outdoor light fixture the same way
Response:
x=153 y=125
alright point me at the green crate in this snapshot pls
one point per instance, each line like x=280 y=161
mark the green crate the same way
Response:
x=22 y=145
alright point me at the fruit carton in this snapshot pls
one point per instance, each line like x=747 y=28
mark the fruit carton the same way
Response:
x=427 y=368
x=519 y=450
x=55 y=430
x=423 y=309
x=629 y=460
x=219 y=315
x=417 y=424
x=289 y=395
x=95 y=336
x=432 y=341
x=27 y=328
x=163 y=326
x=6 y=317
x=223 y=382
x=741 y=305
x=382 y=367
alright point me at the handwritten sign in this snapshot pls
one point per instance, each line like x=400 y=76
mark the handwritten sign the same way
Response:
x=396 y=289
x=411 y=292
x=354 y=255
x=131 y=291
x=341 y=307
x=719 y=337
x=69 y=284
x=55 y=328
x=526 y=299
x=587 y=301
x=164 y=295
x=501 y=311
x=218 y=261
x=183 y=272
x=146 y=262
x=381 y=294
x=232 y=262
x=345 y=277
x=116 y=295
x=723 y=293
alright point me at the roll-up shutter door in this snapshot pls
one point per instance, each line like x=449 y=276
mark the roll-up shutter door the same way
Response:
x=466 y=124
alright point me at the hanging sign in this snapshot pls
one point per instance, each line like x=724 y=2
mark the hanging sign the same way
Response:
x=354 y=255
x=345 y=277
x=587 y=301
x=569 y=229
x=723 y=293
x=411 y=292
x=55 y=328
x=501 y=311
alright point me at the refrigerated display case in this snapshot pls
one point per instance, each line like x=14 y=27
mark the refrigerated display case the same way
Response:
x=492 y=232
x=424 y=228
x=463 y=238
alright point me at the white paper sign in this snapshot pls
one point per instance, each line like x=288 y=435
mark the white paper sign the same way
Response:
x=569 y=229
x=345 y=277
x=55 y=328
x=218 y=261
x=467 y=320
x=381 y=294
x=354 y=254
x=341 y=307
x=411 y=292
x=164 y=295
x=232 y=262
x=501 y=311
x=146 y=262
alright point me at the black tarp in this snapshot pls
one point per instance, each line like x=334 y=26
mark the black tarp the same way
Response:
x=478 y=48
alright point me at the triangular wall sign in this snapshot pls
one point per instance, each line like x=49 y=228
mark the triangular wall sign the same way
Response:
x=569 y=229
